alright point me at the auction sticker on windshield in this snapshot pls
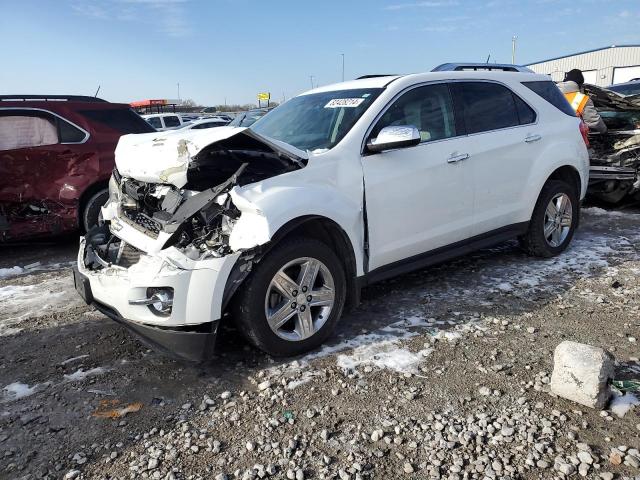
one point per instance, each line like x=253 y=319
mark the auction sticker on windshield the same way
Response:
x=344 y=102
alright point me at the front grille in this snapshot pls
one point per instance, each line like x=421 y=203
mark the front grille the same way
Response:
x=144 y=223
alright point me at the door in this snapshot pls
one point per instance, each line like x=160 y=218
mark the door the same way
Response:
x=37 y=166
x=505 y=141
x=418 y=198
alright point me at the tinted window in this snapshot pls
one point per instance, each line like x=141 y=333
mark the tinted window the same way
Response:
x=428 y=108
x=70 y=134
x=25 y=131
x=552 y=94
x=526 y=114
x=486 y=106
x=154 y=122
x=626 y=88
x=171 y=122
x=121 y=120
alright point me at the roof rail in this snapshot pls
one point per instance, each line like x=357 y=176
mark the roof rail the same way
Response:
x=500 y=67
x=48 y=98
x=376 y=76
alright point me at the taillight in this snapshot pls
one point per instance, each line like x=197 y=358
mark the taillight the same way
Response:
x=584 y=130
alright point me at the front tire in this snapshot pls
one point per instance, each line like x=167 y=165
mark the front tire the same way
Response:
x=293 y=299
x=91 y=212
x=554 y=220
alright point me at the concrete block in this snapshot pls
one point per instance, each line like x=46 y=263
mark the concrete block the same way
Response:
x=581 y=373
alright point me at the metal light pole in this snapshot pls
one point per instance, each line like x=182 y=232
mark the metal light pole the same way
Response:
x=178 y=92
x=342 y=66
x=311 y=78
x=513 y=49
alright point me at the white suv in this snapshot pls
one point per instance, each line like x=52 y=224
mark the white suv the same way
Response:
x=281 y=224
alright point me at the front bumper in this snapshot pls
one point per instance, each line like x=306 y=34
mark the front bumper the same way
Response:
x=189 y=331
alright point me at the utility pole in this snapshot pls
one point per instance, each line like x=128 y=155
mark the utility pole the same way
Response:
x=178 y=92
x=342 y=66
x=513 y=49
x=311 y=78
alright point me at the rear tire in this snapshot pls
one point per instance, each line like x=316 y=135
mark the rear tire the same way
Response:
x=91 y=212
x=554 y=220
x=284 y=312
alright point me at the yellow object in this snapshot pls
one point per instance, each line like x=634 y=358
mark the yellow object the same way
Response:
x=578 y=101
x=264 y=96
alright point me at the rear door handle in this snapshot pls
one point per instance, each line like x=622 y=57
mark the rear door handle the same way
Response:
x=455 y=158
x=532 y=138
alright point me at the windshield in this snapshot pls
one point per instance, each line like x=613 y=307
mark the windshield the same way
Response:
x=626 y=88
x=247 y=119
x=318 y=120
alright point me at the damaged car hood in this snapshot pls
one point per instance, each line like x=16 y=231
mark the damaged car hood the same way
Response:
x=604 y=99
x=165 y=157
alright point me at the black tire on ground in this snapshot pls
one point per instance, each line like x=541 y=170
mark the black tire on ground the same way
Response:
x=534 y=241
x=248 y=307
x=91 y=212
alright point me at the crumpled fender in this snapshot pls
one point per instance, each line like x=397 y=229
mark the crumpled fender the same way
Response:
x=264 y=212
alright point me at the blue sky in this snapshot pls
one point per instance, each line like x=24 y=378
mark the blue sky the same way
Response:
x=233 y=49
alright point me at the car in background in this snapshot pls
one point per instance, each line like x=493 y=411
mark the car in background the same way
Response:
x=56 y=157
x=204 y=123
x=628 y=88
x=248 y=118
x=165 y=121
x=615 y=154
x=222 y=116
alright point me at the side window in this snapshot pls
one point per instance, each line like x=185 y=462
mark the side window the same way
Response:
x=427 y=108
x=171 y=121
x=154 y=122
x=526 y=115
x=25 y=131
x=69 y=133
x=552 y=94
x=486 y=106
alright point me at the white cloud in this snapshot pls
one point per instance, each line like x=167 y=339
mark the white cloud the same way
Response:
x=422 y=4
x=166 y=16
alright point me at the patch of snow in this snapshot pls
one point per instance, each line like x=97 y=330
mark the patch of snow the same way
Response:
x=17 y=390
x=73 y=359
x=610 y=213
x=20 y=302
x=82 y=374
x=10 y=272
x=505 y=287
x=306 y=377
x=622 y=404
x=384 y=355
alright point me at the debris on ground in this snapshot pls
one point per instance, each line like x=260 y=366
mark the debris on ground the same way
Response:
x=581 y=373
x=110 y=409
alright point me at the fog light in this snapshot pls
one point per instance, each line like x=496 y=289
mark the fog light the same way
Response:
x=159 y=300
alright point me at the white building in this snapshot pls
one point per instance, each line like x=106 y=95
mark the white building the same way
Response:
x=602 y=66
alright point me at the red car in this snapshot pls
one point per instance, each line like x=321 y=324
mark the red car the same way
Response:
x=56 y=157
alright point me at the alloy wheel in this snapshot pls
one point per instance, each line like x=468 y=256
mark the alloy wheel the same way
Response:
x=299 y=299
x=558 y=219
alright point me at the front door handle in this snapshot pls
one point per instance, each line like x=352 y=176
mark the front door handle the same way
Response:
x=455 y=158
x=532 y=138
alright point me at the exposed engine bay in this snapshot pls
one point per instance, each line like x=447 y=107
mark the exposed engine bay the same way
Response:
x=196 y=218
x=615 y=155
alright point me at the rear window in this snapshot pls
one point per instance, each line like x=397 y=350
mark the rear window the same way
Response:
x=171 y=122
x=121 y=120
x=552 y=94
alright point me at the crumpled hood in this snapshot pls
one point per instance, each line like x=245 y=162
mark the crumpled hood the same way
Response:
x=164 y=157
x=604 y=99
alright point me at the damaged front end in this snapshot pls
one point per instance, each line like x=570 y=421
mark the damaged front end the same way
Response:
x=165 y=258
x=615 y=155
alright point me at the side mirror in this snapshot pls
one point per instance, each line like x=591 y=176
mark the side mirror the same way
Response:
x=400 y=136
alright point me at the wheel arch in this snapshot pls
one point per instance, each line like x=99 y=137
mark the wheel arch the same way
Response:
x=310 y=226
x=89 y=192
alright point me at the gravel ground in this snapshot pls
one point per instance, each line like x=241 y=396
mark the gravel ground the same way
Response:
x=438 y=374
